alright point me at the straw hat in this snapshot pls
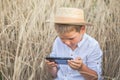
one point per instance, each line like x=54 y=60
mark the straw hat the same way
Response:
x=73 y=16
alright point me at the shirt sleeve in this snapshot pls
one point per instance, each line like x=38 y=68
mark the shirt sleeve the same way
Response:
x=94 y=60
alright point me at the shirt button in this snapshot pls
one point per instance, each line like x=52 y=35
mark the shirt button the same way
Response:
x=71 y=54
x=65 y=75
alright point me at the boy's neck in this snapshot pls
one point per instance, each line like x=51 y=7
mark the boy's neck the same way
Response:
x=74 y=47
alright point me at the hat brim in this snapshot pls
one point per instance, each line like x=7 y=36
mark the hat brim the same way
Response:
x=71 y=23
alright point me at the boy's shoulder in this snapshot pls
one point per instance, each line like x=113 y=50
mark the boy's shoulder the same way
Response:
x=91 y=40
x=58 y=41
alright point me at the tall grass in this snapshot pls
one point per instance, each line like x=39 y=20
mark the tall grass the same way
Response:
x=25 y=38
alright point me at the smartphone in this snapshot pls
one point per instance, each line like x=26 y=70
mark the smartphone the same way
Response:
x=59 y=60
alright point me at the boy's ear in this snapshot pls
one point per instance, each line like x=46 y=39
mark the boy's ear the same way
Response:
x=82 y=30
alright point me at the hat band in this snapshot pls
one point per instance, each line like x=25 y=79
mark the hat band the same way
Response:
x=68 y=20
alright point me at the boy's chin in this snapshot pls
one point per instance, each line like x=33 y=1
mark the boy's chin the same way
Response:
x=72 y=46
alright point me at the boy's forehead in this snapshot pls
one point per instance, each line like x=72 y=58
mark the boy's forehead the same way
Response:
x=71 y=34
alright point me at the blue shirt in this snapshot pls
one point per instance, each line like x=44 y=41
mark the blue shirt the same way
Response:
x=88 y=50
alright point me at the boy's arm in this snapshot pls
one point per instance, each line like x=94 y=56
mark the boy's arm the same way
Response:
x=92 y=69
x=52 y=68
x=53 y=72
x=88 y=73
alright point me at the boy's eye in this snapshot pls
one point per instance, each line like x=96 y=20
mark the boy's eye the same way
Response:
x=67 y=38
x=70 y=38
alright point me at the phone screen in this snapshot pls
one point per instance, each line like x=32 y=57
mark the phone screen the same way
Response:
x=59 y=60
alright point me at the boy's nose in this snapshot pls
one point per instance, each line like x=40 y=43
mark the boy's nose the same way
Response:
x=67 y=42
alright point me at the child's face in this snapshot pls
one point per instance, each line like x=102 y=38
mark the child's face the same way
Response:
x=72 y=38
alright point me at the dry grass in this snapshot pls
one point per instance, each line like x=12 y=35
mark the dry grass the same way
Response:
x=25 y=39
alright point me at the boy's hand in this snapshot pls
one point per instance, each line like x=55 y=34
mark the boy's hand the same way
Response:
x=76 y=63
x=52 y=68
x=50 y=64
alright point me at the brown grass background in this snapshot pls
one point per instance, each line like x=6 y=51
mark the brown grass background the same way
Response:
x=25 y=38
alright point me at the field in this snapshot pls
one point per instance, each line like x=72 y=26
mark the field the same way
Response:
x=25 y=37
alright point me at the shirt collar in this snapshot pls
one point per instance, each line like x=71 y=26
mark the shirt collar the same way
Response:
x=82 y=41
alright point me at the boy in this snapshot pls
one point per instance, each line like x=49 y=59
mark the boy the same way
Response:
x=72 y=41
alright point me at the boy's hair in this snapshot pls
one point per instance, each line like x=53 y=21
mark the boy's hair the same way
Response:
x=66 y=28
